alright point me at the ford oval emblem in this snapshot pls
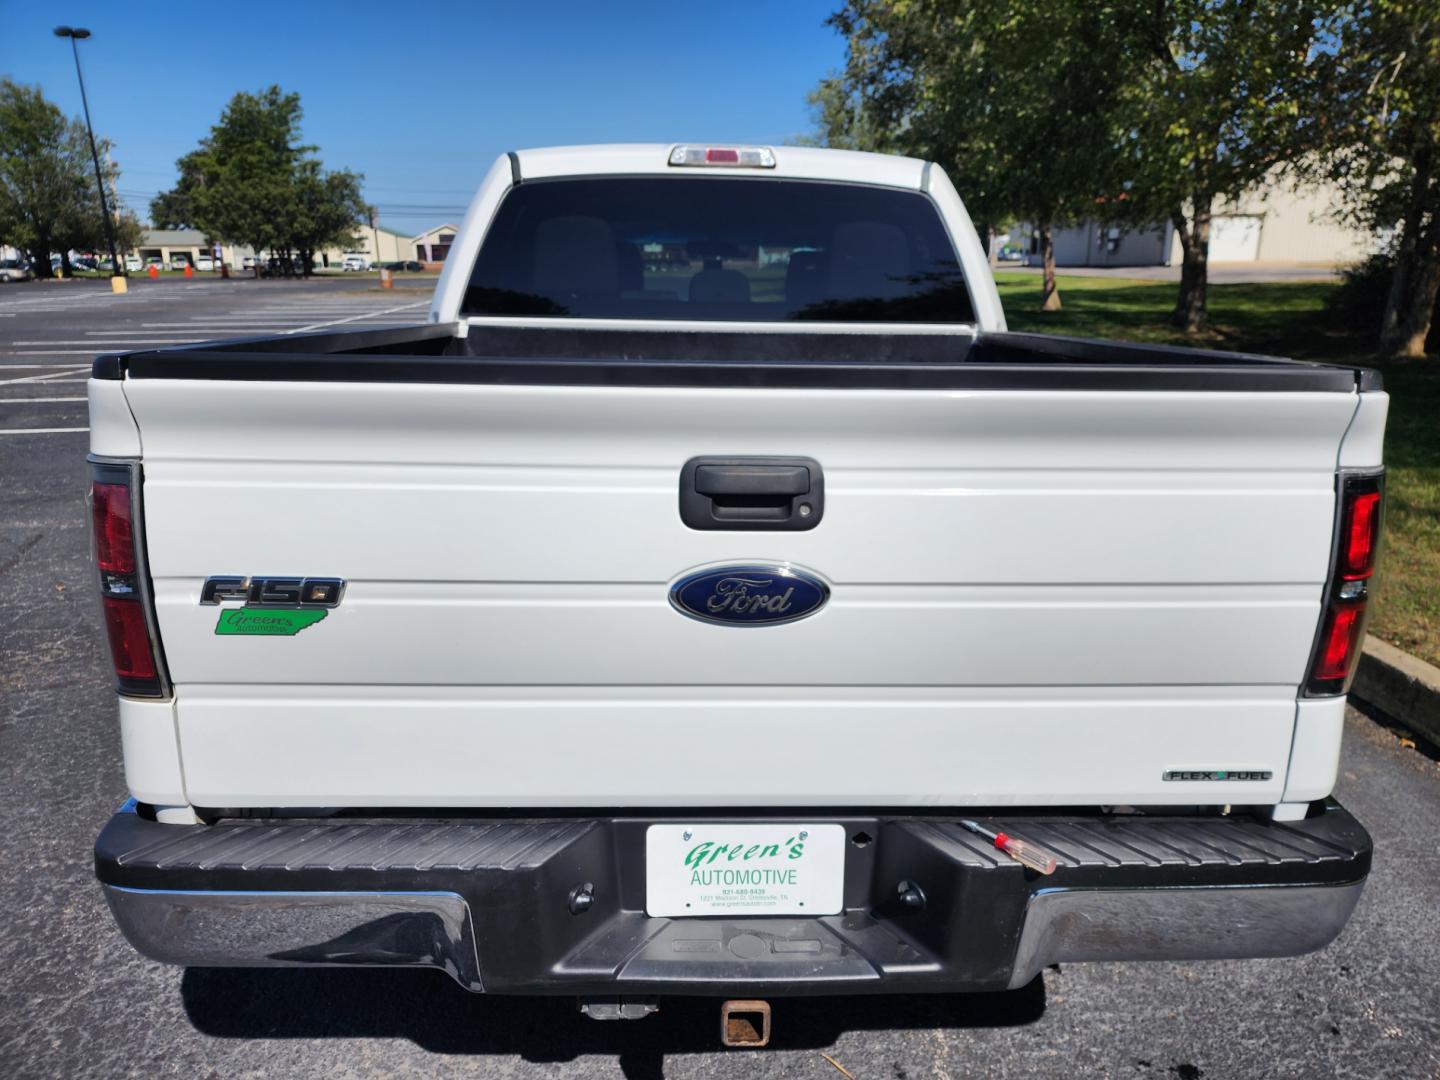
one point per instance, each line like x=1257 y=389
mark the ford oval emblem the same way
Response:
x=750 y=595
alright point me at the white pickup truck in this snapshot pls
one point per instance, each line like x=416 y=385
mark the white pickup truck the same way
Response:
x=714 y=598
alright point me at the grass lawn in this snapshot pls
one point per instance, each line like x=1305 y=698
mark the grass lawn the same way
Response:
x=1289 y=319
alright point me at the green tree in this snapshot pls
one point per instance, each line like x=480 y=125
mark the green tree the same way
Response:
x=84 y=229
x=844 y=120
x=48 y=200
x=175 y=209
x=1054 y=112
x=327 y=212
x=1014 y=97
x=1221 y=104
x=252 y=181
x=1382 y=108
x=248 y=165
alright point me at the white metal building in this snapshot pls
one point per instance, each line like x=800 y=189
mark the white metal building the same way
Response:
x=1282 y=225
x=383 y=244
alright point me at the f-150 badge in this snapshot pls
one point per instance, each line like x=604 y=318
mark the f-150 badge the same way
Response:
x=749 y=595
x=314 y=592
x=274 y=606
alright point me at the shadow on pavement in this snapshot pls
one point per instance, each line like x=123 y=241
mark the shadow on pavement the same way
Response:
x=431 y=1011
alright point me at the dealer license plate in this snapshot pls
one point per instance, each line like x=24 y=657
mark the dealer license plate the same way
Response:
x=744 y=869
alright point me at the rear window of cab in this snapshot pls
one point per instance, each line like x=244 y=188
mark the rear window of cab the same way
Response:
x=729 y=249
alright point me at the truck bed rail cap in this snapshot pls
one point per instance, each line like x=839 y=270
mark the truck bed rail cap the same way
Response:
x=555 y=356
x=791 y=162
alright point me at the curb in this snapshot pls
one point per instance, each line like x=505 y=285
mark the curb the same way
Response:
x=1401 y=686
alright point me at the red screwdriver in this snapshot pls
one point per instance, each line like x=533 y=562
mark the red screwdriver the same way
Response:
x=1037 y=858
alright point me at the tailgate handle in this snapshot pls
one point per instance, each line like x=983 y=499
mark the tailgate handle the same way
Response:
x=752 y=480
x=778 y=494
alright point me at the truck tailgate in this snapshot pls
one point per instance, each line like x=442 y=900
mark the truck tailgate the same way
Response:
x=1037 y=596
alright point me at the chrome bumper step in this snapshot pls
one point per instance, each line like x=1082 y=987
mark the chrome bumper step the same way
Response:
x=491 y=900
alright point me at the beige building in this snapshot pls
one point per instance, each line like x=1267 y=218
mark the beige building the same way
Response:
x=172 y=246
x=176 y=247
x=1285 y=224
x=433 y=245
x=381 y=244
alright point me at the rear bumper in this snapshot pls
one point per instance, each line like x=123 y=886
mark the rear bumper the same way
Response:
x=490 y=901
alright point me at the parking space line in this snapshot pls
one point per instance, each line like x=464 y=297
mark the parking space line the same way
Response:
x=40 y=430
x=120 y=340
x=37 y=378
x=368 y=315
x=139 y=342
x=39 y=400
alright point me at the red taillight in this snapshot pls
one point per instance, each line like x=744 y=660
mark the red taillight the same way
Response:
x=129 y=638
x=1348 y=592
x=1359 y=533
x=122 y=585
x=1339 y=641
x=716 y=156
x=114 y=539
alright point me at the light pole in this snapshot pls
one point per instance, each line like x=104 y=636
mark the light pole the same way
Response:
x=117 y=269
x=375 y=228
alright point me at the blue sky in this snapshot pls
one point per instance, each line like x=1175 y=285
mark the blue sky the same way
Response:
x=421 y=97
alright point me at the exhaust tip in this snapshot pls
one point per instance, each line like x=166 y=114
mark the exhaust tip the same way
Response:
x=745 y=1023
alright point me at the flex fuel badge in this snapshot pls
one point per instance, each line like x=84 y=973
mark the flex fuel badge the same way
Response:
x=1217 y=774
x=268 y=622
x=274 y=606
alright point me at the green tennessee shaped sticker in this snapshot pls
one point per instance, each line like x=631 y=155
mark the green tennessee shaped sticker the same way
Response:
x=268 y=622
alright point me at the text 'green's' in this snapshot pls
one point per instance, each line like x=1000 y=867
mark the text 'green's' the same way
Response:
x=267 y=622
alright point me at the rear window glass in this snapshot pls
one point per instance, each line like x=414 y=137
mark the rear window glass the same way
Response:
x=710 y=248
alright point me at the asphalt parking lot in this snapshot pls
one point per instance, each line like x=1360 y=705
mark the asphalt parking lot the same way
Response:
x=78 y=1002
x=50 y=331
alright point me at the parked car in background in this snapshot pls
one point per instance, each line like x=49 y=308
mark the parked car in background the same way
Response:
x=133 y=264
x=155 y=261
x=205 y=263
x=179 y=261
x=1011 y=253
x=409 y=266
x=248 y=262
x=355 y=262
x=15 y=270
